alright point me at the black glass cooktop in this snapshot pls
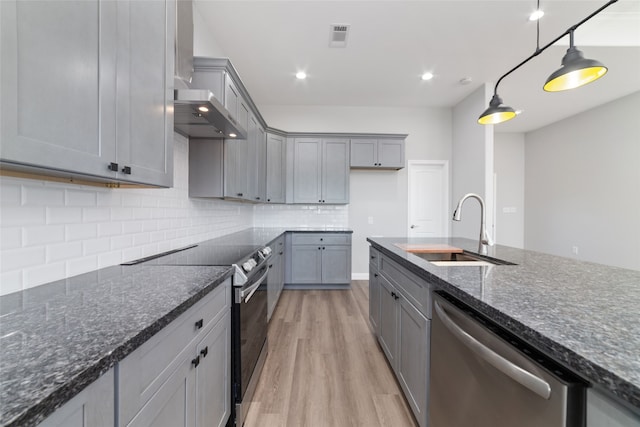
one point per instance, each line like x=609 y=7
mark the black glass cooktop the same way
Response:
x=207 y=254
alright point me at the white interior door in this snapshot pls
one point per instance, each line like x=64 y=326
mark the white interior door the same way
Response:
x=428 y=198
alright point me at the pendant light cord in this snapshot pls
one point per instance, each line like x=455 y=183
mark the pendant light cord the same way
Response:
x=539 y=50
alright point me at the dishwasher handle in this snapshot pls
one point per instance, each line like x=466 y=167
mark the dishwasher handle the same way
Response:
x=515 y=372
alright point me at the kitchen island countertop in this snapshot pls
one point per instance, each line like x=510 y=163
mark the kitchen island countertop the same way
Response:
x=584 y=315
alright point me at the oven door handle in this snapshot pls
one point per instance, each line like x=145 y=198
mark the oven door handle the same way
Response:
x=252 y=289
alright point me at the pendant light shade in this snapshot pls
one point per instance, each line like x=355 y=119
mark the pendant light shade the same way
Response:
x=576 y=71
x=496 y=113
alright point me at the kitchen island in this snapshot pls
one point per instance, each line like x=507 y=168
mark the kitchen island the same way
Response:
x=583 y=315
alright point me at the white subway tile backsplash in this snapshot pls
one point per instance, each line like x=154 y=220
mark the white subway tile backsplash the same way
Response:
x=22 y=258
x=121 y=242
x=86 y=197
x=98 y=214
x=33 y=195
x=63 y=251
x=63 y=215
x=129 y=227
x=19 y=216
x=121 y=214
x=109 y=229
x=95 y=246
x=42 y=235
x=11 y=194
x=81 y=231
x=10 y=238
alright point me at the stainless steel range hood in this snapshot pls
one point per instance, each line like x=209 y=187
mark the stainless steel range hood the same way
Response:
x=197 y=112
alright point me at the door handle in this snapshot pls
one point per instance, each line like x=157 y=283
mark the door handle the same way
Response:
x=510 y=369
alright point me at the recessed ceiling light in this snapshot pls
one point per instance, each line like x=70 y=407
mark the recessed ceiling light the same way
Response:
x=465 y=80
x=203 y=109
x=427 y=76
x=536 y=15
x=301 y=75
x=518 y=112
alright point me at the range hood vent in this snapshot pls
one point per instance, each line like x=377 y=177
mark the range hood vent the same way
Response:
x=199 y=114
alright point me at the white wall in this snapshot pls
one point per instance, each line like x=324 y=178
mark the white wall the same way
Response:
x=378 y=194
x=509 y=174
x=472 y=164
x=50 y=231
x=204 y=44
x=582 y=185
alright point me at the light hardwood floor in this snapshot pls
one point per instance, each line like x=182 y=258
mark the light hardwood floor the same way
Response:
x=324 y=367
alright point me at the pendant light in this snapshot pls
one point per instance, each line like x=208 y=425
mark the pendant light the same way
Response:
x=496 y=113
x=576 y=70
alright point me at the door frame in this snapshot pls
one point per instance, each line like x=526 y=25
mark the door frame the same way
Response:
x=444 y=164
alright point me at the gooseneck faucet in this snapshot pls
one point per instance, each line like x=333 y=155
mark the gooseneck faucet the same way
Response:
x=485 y=240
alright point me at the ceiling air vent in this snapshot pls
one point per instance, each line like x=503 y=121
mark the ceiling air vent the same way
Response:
x=338 y=36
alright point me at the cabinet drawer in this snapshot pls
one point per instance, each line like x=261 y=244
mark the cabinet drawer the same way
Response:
x=148 y=367
x=415 y=289
x=321 y=239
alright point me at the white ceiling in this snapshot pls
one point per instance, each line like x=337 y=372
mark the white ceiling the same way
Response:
x=391 y=43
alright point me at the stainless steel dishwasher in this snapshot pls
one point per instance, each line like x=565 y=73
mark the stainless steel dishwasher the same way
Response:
x=484 y=376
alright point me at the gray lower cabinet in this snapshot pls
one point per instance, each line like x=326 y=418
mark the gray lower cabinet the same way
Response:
x=404 y=335
x=603 y=411
x=319 y=259
x=276 y=178
x=92 y=407
x=94 y=100
x=377 y=153
x=181 y=376
x=321 y=171
x=275 y=280
x=374 y=292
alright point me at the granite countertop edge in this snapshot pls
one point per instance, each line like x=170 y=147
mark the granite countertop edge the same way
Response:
x=601 y=378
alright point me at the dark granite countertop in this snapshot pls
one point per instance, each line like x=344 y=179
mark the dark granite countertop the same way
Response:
x=585 y=315
x=57 y=338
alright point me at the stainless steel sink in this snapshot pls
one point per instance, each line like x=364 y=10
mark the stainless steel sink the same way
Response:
x=458 y=259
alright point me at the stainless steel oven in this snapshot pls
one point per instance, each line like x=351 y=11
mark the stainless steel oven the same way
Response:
x=248 y=330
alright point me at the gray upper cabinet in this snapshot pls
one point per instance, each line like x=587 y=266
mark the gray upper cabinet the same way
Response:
x=377 y=153
x=261 y=165
x=86 y=89
x=321 y=171
x=275 y=168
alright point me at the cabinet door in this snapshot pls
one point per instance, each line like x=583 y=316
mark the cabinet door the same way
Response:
x=272 y=287
x=261 y=165
x=235 y=168
x=248 y=165
x=57 y=87
x=336 y=264
x=306 y=264
x=144 y=109
x=231 y=97
x=275 y=165
x=390 y=153
x=335 y=171
x=206 y=168
x=92 y=407
x=173 y=405
x=374 y=298
x=388 y=334
x=364 y=153
x=212 y=376
x=307 y=170
x=413 y=358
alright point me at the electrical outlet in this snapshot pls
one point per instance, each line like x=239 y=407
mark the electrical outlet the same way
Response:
x=574 y=250
x=370 y=220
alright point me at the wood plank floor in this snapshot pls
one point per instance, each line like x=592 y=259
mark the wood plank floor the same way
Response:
x=325 y=367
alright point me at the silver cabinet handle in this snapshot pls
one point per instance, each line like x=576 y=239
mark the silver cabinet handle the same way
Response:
x=515 y=372
x=414 y=226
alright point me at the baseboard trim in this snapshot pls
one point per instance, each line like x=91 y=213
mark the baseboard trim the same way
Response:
x=359 y=276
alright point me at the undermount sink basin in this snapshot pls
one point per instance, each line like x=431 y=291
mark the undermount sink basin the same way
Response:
x=457 y=259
